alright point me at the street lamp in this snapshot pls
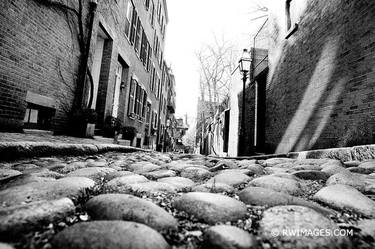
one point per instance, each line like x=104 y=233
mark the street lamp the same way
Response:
x=244 y=66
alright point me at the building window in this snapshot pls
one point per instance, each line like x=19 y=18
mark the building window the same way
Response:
x=38 y=117
x=148 y=113
x=156 y=45
x=129 y=13
x=152 y=119
x=159 y=88
x=162 y=25
x=290 y=16
x=144 y=48
x=147 y=4
x=155 y=120
x=159 y=12
x=161 y=60
x=138 y=101
x=133 y=28
x=149 y=54
x=133 y=87
x=152 y=13
x=152 y=78
x=138 y=35
x=157 y=85
x=144 y=105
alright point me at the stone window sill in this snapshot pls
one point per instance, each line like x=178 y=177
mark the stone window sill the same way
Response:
x=292 y=30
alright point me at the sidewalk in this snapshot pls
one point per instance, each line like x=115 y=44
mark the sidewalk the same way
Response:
x=41 y=143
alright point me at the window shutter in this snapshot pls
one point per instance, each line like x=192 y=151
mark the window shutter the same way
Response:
x=149 y=57
x=138 y=34
x=144 y=48
x=131 y=97
x=144 y=104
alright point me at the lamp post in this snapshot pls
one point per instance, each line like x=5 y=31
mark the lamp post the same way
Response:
x=244 y=66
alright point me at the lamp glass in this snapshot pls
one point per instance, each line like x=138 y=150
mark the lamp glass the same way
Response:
x=245 y=61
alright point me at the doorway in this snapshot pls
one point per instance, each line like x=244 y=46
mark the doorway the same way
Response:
x=117 y=89
x=102 y=64
x=101 y=40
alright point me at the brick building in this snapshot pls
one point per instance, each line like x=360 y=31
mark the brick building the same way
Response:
x=169 y=136
x=39 y=65
x=321 y=83
x=319 y=91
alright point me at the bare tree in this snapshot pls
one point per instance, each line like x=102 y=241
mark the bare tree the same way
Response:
x=216 y=62
x=189 y=138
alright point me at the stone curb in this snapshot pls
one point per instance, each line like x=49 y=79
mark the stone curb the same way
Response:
x=360 y=153
x=17 y=150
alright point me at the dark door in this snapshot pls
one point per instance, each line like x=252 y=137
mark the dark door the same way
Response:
x=226 y=130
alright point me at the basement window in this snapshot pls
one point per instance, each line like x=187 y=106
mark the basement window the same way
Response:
x=290 y=15
x=38 y=117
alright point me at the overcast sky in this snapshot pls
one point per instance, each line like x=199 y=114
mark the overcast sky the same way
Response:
x=193 y=23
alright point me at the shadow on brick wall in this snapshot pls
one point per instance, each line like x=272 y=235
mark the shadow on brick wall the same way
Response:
x=321 y=92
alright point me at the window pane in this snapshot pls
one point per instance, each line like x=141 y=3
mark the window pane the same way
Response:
x=144 y=104
x=137 y=35
x=129 y=12
x=131 y=96
x=143 y=54
x=27 y=115
x=133 y=27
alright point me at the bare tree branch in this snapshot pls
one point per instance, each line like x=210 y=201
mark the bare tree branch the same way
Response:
x=216 y=63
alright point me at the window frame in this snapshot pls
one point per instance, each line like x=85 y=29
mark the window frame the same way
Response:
x=132 y=92
x=133 y=26
x=147 y=4
x=144 y=49
x=144 y=105
x=129 y=18
x=152 y=14
x=138 y=36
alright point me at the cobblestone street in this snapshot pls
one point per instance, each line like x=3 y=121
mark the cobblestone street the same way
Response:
x=39 y=136
x=154 y=200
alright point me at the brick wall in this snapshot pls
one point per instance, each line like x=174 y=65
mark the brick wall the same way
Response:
x=111 y=17
x=37 y=54
x=321 y=84
x=248 y=133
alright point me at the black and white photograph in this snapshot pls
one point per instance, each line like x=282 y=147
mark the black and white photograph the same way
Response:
x=187 y=124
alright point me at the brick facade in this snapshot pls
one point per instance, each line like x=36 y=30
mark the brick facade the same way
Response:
x=321 y=85
x=39 y=54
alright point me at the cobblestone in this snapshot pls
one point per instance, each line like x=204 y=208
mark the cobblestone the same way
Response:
x=131 y=191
